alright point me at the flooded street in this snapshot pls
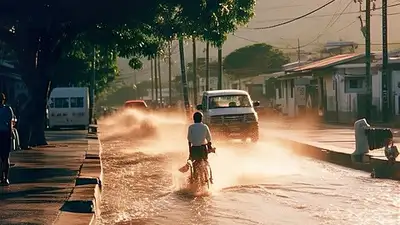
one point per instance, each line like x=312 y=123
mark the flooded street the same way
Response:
x=259 y=183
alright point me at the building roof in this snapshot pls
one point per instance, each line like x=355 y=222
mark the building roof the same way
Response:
x=339 y=44
x=327 y=62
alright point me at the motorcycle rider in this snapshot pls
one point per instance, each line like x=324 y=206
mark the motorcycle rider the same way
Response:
x=199 y=138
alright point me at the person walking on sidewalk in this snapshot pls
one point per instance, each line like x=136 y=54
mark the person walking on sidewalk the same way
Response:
x=6 y=116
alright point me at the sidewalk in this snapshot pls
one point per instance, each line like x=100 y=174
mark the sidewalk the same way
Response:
x=323 y=126
x=331 y=144
x=43 y=179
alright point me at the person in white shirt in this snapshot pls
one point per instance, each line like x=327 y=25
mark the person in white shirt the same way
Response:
x=199 y=138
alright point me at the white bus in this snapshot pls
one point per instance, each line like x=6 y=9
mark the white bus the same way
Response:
x=68 y=107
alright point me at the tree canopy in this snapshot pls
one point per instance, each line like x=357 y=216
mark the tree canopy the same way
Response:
x=75 y=68
x=253 y=60
x=42 y=32
x=201 y=69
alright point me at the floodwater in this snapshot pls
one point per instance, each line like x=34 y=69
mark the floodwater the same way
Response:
x=259 y=183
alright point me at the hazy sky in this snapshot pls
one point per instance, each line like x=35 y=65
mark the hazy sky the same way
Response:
x=338 y=21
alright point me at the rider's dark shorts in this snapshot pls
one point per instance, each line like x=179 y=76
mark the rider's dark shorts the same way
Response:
x=198 y=152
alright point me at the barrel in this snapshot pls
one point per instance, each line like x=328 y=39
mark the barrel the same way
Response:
x=378 y=137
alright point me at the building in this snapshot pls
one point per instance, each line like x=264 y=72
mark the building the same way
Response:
x=310 y=88
x=336 y=89
x=12 y=84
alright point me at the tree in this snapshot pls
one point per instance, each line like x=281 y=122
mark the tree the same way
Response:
x=75 y=67
x=254 y=60
x=201 y=68
x=41 y=32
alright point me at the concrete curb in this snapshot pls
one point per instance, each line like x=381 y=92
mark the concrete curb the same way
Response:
x=83 y=204
x=375 y=165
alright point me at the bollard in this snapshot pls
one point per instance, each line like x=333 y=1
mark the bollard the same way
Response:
x=361 y=140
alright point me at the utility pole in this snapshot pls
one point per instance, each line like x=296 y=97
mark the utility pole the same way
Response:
x=152 y=79
x=194 y=72
x=183 y=74
x=135 y=84
x=156 y=78
x=208 y=66
x=368 y=57
x=298 y=50
x=93 y=87
x=220 y=68
x=385 y=94
x=169 y=73
x=159 y=78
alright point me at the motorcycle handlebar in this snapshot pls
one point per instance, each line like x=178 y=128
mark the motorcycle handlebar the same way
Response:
x=211 y=150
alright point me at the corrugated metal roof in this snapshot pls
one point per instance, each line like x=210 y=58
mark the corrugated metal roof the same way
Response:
x=331 y=61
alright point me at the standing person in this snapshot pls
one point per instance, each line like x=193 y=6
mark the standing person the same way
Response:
x=6 y=117
x=361 y=139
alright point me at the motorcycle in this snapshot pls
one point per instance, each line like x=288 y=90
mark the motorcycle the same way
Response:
x=200 y=171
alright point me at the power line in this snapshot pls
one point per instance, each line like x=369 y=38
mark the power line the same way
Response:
x=254 y=41
x=324 y=15
x=347 y=26
x=329 y=25
x=306 y=16
x=295 y=19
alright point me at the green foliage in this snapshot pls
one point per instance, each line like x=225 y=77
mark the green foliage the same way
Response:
x=127 y=92
x=253 y=60
x=202 y=69
x=137 y=29
x=118 y=97
x=76 y=66
x=7 y=53
x=213 y=20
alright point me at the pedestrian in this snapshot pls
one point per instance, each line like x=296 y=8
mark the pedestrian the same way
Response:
x=6 y=117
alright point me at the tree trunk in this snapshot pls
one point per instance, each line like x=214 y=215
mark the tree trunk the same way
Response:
x=32 y=121
x=37 y=60
x=159 y=79
x=156 y=79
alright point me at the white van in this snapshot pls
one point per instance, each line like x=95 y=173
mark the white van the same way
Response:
x=69 y=107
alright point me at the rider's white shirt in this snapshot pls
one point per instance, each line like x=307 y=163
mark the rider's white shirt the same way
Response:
x=199 y=134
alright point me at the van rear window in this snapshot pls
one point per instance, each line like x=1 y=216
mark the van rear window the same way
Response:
x=76 y=102
x=61 y=102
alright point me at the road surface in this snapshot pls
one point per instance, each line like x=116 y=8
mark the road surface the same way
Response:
x=254 y=183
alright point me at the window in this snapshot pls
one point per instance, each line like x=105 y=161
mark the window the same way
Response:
x=278 y=86
x=61 y=103
x=76 y=102
x=51 y=103
x=229 y=101
x=355 y=83
x=291 y=88
x=204 y=102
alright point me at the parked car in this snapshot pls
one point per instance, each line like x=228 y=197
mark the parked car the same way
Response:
x=136 y=104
